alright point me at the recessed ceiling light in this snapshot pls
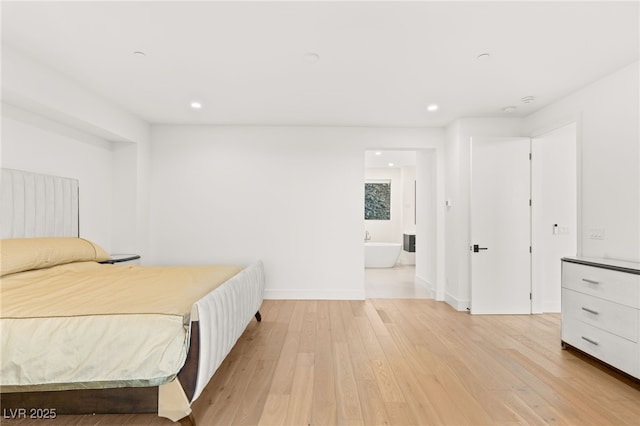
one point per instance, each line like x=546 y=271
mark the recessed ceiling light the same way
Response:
x=139 y=54
x=390 y=164
x=483 y=56
x=432 y=107
x=378 y=153
x=311 y=57
x=509 y=109
x=196 y=105
x=527 y=99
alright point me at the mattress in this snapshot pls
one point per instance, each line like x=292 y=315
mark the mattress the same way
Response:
x=90 y=325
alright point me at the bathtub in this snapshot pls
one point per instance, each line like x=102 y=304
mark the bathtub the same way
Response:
x=381 y=255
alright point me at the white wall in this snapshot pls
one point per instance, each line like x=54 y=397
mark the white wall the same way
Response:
x=293 y=197
x=429 y=235
x=34 y=86
x=131 y=197
x=36 y=144
x=123 y=177
x=408 y=200
x=607 y=113
x=408 y=177
x=57 y=113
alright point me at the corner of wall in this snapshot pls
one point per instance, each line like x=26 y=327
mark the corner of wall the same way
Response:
x=457 y=304
x=41 y=91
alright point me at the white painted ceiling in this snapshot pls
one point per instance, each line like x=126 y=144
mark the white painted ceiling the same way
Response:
x=381 y=63
x=382 y=158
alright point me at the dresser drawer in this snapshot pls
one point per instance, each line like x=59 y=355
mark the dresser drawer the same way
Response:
x=620 y=287
x=618 y=319
x=614 y=350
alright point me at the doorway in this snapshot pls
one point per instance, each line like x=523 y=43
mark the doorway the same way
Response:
x=401 y=170
x=500 y=226
x=523 y=220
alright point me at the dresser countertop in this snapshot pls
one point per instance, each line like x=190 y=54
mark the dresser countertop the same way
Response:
x=616 y=265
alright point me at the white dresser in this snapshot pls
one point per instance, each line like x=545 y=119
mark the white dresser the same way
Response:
x=601 y=310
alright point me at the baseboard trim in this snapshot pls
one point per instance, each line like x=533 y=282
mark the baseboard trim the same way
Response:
x=424 y=283
x=276 y=294
x=458 y=305
x=551 y=307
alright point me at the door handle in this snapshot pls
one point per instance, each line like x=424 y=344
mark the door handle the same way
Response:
x=476 y=248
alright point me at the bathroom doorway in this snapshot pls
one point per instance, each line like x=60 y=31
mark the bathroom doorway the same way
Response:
x=390 y=224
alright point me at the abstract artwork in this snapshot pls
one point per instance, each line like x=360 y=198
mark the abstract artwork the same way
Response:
x=377 y=200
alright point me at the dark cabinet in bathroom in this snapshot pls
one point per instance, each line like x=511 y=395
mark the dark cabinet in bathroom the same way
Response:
x=409 y=243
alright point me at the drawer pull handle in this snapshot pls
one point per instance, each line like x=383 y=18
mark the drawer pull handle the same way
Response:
x=593 y=342
x=590 y=281
x=591 y=311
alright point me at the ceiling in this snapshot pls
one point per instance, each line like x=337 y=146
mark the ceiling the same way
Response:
x=380 y=63
x=387 y=159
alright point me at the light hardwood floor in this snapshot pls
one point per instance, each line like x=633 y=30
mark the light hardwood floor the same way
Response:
x=401 y=362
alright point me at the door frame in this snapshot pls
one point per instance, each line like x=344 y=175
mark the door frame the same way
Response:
x=540 y=132
x=532 y=134
x=470 y=242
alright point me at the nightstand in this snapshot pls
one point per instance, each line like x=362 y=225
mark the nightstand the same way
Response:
x=123 y=259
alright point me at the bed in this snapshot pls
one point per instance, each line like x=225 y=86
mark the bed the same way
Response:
x=80 y=335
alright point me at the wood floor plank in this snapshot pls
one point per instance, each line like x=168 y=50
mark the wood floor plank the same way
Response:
x=324 y=406
x=322 y=314
x=299 y=408
x=275 y=410
x=252 y=402
x=524 y=412
x=369 y=338
x=389 y=388
x=284 y=312
x=473 y=380
x=446 y=407
x=358 y=353
x=372 y=403
x=337 y=327
x=295 y=323
x=400 y=413
x=347 y=399
x=308 y=328
x=223 y=410
x=283 y=376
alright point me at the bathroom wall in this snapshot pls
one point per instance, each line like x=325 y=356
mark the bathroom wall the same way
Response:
x=387 y=230
x=402 y=208
x=408 y=211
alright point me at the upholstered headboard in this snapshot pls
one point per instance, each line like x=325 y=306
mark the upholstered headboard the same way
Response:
x=36 y=205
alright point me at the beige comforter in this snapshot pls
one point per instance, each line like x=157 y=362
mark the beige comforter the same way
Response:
x=93 y=324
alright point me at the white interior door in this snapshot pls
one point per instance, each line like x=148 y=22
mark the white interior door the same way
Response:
x=554 y=213
x=500 y=226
